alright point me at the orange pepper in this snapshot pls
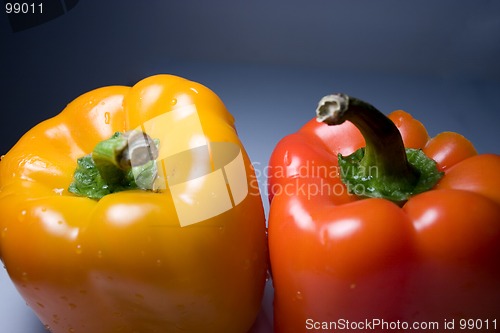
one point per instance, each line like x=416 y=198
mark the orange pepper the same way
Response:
x=185 y=253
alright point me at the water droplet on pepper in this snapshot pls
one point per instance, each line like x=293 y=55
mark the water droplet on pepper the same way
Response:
x=107 y=117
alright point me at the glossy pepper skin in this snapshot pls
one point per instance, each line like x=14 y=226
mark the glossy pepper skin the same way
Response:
x=338 y=257
x=123 y=263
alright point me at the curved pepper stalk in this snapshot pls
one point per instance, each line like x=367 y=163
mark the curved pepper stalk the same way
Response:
x=384 y=168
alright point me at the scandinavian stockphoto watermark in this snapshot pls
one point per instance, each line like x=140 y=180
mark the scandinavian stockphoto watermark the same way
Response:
x=309 y=169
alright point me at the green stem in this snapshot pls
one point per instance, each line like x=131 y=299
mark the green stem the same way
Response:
x=392 y=172
x=123 y=162
x=108 y=157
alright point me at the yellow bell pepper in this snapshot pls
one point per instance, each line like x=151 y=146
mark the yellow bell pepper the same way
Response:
x=176 y=244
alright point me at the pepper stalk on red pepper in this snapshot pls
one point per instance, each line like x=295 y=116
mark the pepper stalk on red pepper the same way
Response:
x=371 y=220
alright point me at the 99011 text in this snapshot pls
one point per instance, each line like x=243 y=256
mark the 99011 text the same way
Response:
x=23 y=8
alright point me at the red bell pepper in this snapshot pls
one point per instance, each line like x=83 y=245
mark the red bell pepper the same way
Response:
x=375 y=226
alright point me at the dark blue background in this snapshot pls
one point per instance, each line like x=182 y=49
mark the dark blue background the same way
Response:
x=269 y=61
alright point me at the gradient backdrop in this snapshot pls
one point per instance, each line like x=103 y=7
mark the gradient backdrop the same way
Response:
x=269 y=61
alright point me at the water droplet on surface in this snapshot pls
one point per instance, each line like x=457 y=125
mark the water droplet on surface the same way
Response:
x=58 y=191
x=40 y=304
x=4 y=232
x=79 y=249
x=299 y=296
x=107 y=118
x=117 y=314
x=158 y=263
x=173 y=101
x=286 y=159
x=22 y=215
x=99 y=254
